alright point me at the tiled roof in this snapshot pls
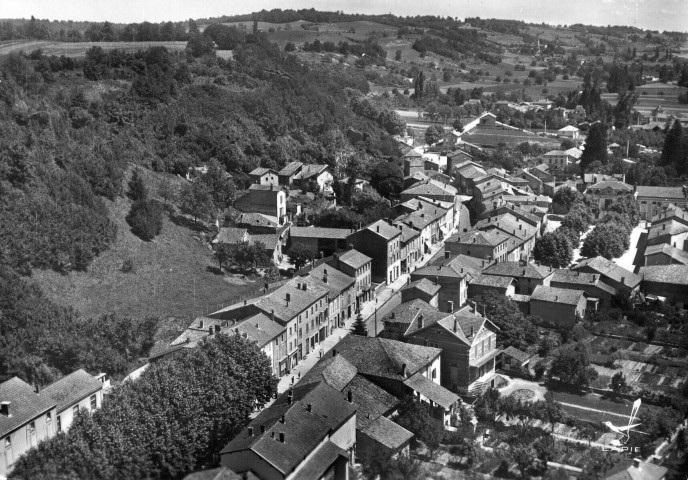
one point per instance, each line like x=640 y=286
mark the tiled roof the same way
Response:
x=298 y=301
x=336 y=371
x=625 y=470
x=556 y=295
x=492 y=281
x=354 y=258
x=265 y=188
x=431 y=390
x=674 y=193
x=442 y=270
x=336 y=283
x=430 y=187
x=569 y=128
x=404 y=313
x=384 y=229
x=610 y=269
x=517 y=269
x=387 y=433
x=260 y=329
x=320 y=232
x=471 y=263
x=231 y=235
x=520 y=298
x=407 y=233
x=371 y=401
x=319 y=463
x=257 y=220
x=672 y=274
x=421 y=218
x=290 y=169
x=424 y=285
x=491 y=238
x=261 y=171
x=508 y=223
x=671 y=227
x=613 y=184
x=673 y=252
x=556 y=153
x=470 y=171
x=72 y=388
x=517 y=354
x=221 y=473
x=311 y=170
x=576 y=277
x=26 y=404
x=384 y=358
x=270 y=240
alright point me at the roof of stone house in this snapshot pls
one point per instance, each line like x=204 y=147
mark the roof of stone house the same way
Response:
x=407 y=233
x=257 y=220
x=308 y=171
x=671 y=227
x=354 y=259
x=610 y=269
x=385 y=432
x=265 y=188
x=420 y=219
x=371 y=400
x=320 y=232
x=299 y=299
x=492 y=238
x=626 y=470
x=429 y=187
x=576 y=277
x=666 y=249
x=672 y=274
x=613 y=184
x=556 y=295
x=431 y=390
x=518 y=269
x=383 y=229
x=331 y=278
x=72 y=388
x=404 y=313
x=231 y=235
x=335 y=370
x=270 y=240
x=25 y=404
x=423 y=285
x=290 y=169
x=492 y=281
x=519 y=355
x=675 y=193
x=220 y=473
x=261 y=171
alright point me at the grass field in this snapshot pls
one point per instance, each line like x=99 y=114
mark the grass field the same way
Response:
x=171 y=277
x=609 y=410
x=79 y=49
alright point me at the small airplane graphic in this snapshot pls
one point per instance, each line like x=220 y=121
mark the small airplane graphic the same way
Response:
x=624 y=432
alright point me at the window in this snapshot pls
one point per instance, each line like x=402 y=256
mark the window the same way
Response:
x=434 y=373
x=94 y=402
x=48 y=417
x=75 y=409
x=32 y=428
x=59 y=424
x=8 y=443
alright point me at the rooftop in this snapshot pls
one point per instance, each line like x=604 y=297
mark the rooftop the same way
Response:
x=25 y=405
x=673 y=193
x=556 y=295
x=673 y=252
x=517 y=354
x=387 y=433
x=331 y=278
x=320 y=232
x=354 y=259
x=431 y=390
x=519 y=269
x=261 y=171
x=257 y=220
x=627 y=470
x=290 y=169
x=72 y=388
x=231 y=235
x=611 y=270
x=611 y=184
x=672 y=274
x=384 y=229
x=404 y=313
x=492 y=281
x=424 y=285
x=576 y=277
x=491 y=238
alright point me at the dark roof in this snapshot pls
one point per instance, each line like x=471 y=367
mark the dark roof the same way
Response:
x=424 y=285
x=336 y=371
x=492 y=281
x=576 y=277
x=430 y=188
x=404 y=313
x=675 y=193
x=259 y=328
x=270 y=240
x=354 y=259
x=256 y=220
x=556 y=295
x=387 y=433
x=299 y=299
x=319 y=232
x=431 y=390
x=672 y=274
x=72 y=388
x=322 y=459
x=610 y=269
x=308 y=171
x=408 y=233
x=266 y=188
x=517 y=269
x=261 y=171
x=371 y=400
x=666 y=249
x=290 y=169
x=613 y=184
x=26 y=404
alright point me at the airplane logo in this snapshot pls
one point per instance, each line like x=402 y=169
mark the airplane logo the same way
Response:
x=624 y=432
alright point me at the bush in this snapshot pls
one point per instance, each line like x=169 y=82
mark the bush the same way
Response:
x=145 y=219
x=128 y=266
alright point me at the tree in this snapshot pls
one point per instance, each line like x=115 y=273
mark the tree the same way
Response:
x=167 y=190
x=289 y=47
x=487 y=406
x=457 y=125
x=247 y=255
x=219 y=183
x=197 y=201
x=377 y=463
x=299 y=255
x=552 y=410
x=387 y=178
x=137 y=189
x=572 y=366
x=145 y=219
x=578 y=219
x=200 y=45
x=595 y=147
x=618 y=384
x=544 y=448
x=609 y=240
x=223 y=253
x=524 y=456
x=415 y=417
x=553 y=249
x=193 y=403
x=433 y=134
x=566 y=197
x=515 y=330
x=397 y=55
x=673 y=150
x=359 y=326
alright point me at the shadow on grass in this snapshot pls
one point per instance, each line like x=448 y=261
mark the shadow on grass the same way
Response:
x=215 y=270
x=189 y=223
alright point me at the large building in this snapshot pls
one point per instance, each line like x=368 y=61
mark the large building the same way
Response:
x=653 y=200
x=558 y=306
x=381 y=242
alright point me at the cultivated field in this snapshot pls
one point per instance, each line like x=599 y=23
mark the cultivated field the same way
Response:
x=79 y=49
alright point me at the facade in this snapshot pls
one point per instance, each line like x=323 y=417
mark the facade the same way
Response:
x=483 y=284
x=422 y=289
x=381 y=242
x=665 y=254
x=264 y=199
x=557 y=158
x=510 y=224
x=317 y=175
x=263 y=176
x=358 y=266
x=569 y=132
x=341 y=297
x=653 y=200
x=452 y=276
x=595 y=289
x=667 y=281
x=411 y=248
x=287 y=175
x=558 y=306
x=490 y=245
x=526 y=276
x=607 y=191
x=74 y=392
x=319 y=241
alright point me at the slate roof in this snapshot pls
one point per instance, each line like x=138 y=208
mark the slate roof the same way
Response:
x=299 y=299
x=492 y=281
x=424 y=285
x=231 y=235
x=491 y=238
x=431 y=390
x=72 y=388
x=671 y=227
x=625 y=470
x=320 y=232
x=337 y=281
x=404 y=313
x=610 y=269
x=387 y=433
x=259 y=328
x=335 y=370
x=26 y=404
x=407 y=233
x=383 y=358
x=516 y=269
x=308 y=171
x=673 y=252
x=270 y=240
x=371 y=401
x=509 y=223
x=354 y=259
x=576 y=277
x=672 y=274
x=613 y=184
x=430 y=187
x=221 y=473
x=290 y=169
x=384 y=229
x=317 y=465
x=556 y=295
x=470 y=171
x=675 y=193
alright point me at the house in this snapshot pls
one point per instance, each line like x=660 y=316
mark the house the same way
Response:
x=230 y=236
x=607 y=191
x=570 y=132
x=26 y=418
x=652 y=200
x=319 y=241
x=358 y=266
x=428 y=222
x=558 y=158
x=489 y=245
x=257 y=223
x=671 y=231
x=411 y=247
x=316 y=178
x=430 y=189
x=76 y=391
x=268 y=200
x=542 y=172
x=413 y=162
x=272 y=243
x=422 y=289
x=520 y=213
x=610 y=273
x=308 y=432
x=288 y=174
x=263 y=176
x=529 y=200
x=381 y=242
x=558 y=306
x=665 y=254
x=597 y=292
x=534 y=182
x=400 y=318
x=482 y=284
x=452 y=216
x=452 y=275
x=465 y=174
x=511 y=359
x=341 y=297
x=667 y=281
x=456 y=158
x=526 y=275
x=636 y=469
x=510 y=224
x=220 y=473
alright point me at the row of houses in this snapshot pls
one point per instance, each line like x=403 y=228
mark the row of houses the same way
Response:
x=29 y=415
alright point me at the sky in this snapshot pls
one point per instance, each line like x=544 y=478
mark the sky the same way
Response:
x=649 y=14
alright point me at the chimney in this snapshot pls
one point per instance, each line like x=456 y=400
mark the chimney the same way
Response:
x=377 y=229
x=392 y=315
x=664 y=226
x=250 y=431
x=305 y=286
x=456 y=325
x=262 y=429
x=471 y=330
x=350 y=396
x=636 y=463
x=210 y=330
x=282 y=420
x=351 y=246
x=556 y=298
x=334 y=352
x=623 y=280
x=290 y=398
x=451 y=305
x=420 y=321
x=446 y=254
x=281 y=437
x=200 y=324
x=403 y=370
x=288 y=298
x=5 y=409
x=272 y=315
x=217 y=329
x=37 y=389
x=309 y=407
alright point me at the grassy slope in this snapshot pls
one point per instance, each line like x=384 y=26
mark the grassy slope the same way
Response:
x=170 y=277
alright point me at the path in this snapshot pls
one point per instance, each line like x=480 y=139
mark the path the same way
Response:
x=628 y=258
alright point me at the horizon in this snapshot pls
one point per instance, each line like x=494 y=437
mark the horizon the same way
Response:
x=659 y=15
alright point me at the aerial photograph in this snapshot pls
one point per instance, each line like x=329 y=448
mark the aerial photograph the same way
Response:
x=318 y=240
